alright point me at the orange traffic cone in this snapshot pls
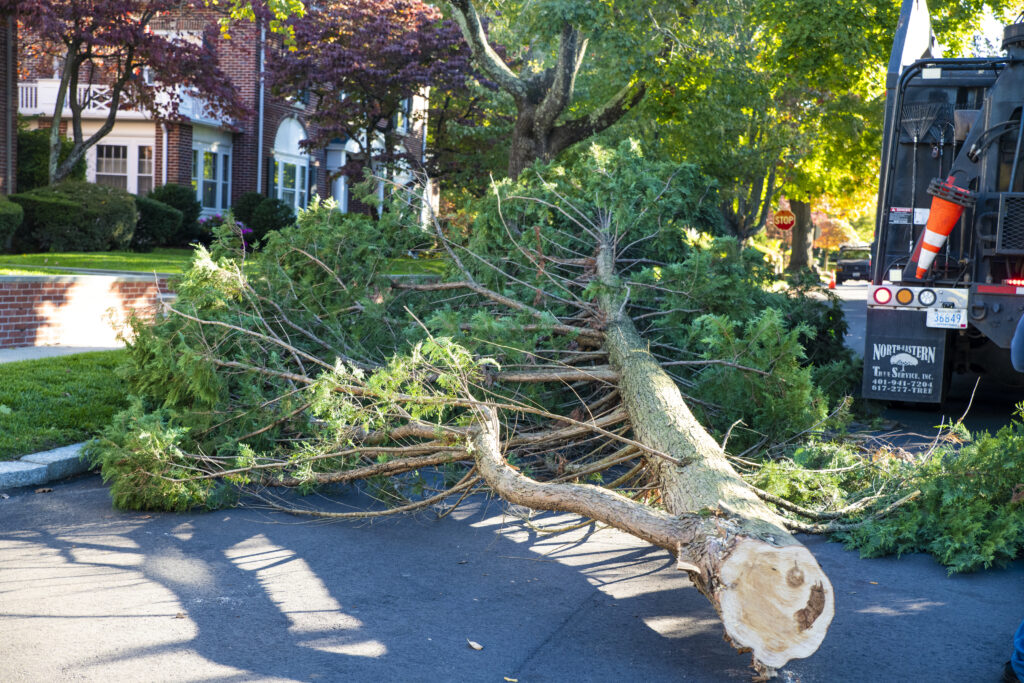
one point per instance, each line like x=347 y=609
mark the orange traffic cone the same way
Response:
x=947 y=206
x=832 y=281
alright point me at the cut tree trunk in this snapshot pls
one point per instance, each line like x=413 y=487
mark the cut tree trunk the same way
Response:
x=772 y=596
x=770 y=592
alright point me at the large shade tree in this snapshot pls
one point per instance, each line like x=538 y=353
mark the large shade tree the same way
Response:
x=102 y=48
x=569 y=69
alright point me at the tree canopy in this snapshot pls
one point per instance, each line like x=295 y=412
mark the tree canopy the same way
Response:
x=364 y=60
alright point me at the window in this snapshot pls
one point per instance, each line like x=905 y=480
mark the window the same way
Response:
x=211 y=177
x=112 y=166
x=208 y=196
x=145 y=170
x=290 y=171
x=290 y=181
x=402 y=115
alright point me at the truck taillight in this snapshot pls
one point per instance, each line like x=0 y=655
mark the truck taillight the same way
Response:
x=883 y=295
x=1014 y=282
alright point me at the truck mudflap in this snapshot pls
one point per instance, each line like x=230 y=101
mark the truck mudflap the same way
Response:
x=904 y=359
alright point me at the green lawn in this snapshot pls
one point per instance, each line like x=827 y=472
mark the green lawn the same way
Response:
x=54 y=402
x=159 y=260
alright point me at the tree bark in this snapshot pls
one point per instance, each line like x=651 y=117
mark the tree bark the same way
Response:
x=772 y=596
x=770 y=592
x=801 y=257
x=542 y=97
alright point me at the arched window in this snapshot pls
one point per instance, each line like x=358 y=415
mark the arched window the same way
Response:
x=290 y=170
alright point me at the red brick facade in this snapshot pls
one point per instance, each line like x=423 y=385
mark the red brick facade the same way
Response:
x=251 y=152
x=8 y=104
x=81 y=311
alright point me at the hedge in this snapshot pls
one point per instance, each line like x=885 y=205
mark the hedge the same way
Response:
x=271 y=214
x=182 y=198
x=34 y=160
x=11 y=216
x=246 y=205
x=75 y=216
x=158 y=224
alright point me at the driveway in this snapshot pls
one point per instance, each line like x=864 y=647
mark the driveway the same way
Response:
x=90 y=593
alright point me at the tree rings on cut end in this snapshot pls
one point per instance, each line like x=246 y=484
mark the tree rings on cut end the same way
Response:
x=775 y=601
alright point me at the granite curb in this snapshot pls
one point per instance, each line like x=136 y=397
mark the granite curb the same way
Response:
x=44 y=467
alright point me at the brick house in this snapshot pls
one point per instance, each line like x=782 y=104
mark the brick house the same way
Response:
x=222 y=159
x=8 y=110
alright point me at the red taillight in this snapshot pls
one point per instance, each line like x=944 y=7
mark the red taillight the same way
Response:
x=883 y=295
x=1014 y=282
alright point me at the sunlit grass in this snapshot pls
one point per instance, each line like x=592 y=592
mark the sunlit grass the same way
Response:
x=159 y=260
x=53 y=402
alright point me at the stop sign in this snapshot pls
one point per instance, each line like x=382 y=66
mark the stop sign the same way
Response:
x=784 y=220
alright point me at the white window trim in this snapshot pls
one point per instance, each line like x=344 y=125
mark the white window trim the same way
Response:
x=132 y=161
x=223 y=190
x=302 y=164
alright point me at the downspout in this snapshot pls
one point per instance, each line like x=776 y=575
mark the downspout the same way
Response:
x=163 y=164
x=259 y=115
x=11 y=106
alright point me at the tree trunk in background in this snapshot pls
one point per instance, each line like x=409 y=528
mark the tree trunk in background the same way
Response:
x=801 y=257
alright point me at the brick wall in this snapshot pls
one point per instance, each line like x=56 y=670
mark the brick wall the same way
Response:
x=87 y=310
x=8 y=105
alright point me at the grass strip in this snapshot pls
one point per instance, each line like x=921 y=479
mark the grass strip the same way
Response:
x=53 y=402
x=162 y=260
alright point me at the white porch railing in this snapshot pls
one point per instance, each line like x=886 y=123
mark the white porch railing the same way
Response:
x=40 y=98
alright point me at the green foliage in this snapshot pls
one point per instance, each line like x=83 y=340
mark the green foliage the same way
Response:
x=140 y=455
x=653 y=203
x=776 y=404
x=244 y=207
x=11 y=216
x=182 y=198
x=970 y=514
x=53 y=402
x=158 y=224
x=270 y=215
x=75 y=216
x=34 y=159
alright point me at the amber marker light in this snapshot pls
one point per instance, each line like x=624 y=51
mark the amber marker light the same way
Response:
x=904 y=297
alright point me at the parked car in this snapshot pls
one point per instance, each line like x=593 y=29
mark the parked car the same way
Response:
x=853 y=263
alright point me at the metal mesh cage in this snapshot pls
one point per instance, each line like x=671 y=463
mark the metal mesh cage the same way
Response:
x=1010 y=232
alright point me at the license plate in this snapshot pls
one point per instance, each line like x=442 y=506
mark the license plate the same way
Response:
x=949 y=318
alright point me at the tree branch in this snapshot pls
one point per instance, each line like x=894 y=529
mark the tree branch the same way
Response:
x=492 y=64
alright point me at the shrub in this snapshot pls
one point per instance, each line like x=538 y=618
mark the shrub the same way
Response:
x=75 y=216
x=271 y=214
x=158 y=224
x=11 y=215
x=34 y=160
x=182 y=198
x=246 y=205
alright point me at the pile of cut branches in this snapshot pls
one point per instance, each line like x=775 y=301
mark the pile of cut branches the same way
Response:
x=556 y=364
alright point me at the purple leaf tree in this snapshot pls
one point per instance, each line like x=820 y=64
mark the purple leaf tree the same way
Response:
x=363 y=60
x=110 y=47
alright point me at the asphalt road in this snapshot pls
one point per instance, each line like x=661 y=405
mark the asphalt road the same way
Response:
x=90 y=593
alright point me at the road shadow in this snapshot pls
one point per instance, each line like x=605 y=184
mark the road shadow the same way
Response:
x=251 y=594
